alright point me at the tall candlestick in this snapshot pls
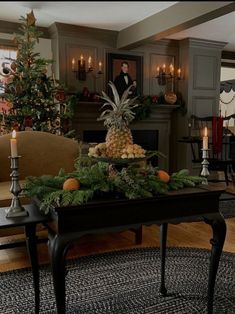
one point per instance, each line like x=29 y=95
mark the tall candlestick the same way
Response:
x=14 y=152
x=205 y=139
x=73 y=64
x=171 y=69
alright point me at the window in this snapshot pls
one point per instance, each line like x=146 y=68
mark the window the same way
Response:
x=6 y=53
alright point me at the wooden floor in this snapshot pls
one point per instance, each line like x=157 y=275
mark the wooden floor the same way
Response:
x=181 y=235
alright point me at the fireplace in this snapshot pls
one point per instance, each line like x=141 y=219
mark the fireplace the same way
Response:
x=148 y=139
x=152 y=133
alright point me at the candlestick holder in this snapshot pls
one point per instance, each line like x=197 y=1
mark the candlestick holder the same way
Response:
x=16 y=209
x=205 y=163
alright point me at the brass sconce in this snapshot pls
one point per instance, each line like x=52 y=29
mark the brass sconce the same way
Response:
x=163 y=75
x=81 y=71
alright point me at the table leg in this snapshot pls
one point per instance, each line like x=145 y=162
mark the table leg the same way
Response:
x=31 y=241
x=163 y=239
x=218 y=225
x=58 y=248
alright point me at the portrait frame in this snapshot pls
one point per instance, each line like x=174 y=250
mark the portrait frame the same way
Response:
x=114 y=60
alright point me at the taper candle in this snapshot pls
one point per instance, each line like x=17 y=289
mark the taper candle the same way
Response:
x=73 y=64
x=158 y=71
x=205 y=139
x=89 y=63
x=14 y=152
x=100 y=66
x=81 y=58
x=179 y=73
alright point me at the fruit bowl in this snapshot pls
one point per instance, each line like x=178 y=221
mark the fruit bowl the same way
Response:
x=127 y=161
x=119 y=161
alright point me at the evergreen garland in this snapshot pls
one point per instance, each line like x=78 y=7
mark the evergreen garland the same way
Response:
x=99 y=179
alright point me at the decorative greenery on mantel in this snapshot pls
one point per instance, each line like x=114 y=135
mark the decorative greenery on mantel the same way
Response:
x=100 y=180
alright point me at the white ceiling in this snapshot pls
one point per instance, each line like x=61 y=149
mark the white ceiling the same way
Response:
x=219 y=29
x=115 y=15
x=108 y=15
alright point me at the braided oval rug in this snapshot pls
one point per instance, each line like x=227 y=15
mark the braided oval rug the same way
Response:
x=127 y=282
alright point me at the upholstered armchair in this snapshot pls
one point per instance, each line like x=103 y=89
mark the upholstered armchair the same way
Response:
x=42 y=153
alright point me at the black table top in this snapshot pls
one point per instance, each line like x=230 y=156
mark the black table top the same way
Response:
x=33 y=217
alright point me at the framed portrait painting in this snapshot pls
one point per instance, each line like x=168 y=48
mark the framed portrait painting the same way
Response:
x=135 y=68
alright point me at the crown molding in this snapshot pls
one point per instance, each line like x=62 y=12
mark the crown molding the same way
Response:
x=12 y=27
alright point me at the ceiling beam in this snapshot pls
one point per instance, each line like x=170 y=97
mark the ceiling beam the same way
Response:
x=181 y=16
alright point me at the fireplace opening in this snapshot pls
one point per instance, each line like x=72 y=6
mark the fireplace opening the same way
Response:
x=148 y=139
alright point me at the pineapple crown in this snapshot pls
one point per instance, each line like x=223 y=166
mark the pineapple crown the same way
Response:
x=121 y=113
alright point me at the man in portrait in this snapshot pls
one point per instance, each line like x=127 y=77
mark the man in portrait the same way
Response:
x=123 y=80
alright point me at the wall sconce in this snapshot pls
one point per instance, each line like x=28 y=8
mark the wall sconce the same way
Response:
x=81 y=71
x=163 y=75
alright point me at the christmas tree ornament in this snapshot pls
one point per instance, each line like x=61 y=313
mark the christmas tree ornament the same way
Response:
x=13 y=66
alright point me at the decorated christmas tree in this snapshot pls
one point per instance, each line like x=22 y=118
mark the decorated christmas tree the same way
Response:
x=35 y=101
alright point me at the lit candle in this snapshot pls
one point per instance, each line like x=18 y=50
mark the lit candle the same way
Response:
x=205 y=139
x=158 y=71
x=171 y=69
x=73 y=64
x=81 y=58
x=13 y=142
x=179 y=73
x=89 y=62
x=100 y=66
x=164 y=68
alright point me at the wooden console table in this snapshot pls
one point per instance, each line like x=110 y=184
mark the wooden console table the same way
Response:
x=70 y=223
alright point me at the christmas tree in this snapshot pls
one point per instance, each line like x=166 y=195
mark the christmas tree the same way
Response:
x=36 y=101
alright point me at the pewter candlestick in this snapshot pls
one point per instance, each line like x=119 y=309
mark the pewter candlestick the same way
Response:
x=16 y=209
x=205 y=163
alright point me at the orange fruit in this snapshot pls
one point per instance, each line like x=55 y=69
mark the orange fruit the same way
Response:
x=71 y=184
x=163 y=176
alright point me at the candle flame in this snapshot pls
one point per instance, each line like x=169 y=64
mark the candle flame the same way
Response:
x=73 y=61
x=205 y=132
x=14 y=134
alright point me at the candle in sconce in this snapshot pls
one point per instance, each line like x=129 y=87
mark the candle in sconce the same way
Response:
x=171 y=70
x=73 y=64
x=81 y=59
x=13 y=142
x=100 y=66
x=179 y=73
x=205 y=139
x=158 y=71
x=164 y=68
x=89 y=62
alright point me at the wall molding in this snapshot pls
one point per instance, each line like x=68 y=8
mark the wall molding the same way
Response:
x=196 y=80
x=12 y=27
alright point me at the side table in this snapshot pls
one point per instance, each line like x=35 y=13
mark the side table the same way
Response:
x=29 y=223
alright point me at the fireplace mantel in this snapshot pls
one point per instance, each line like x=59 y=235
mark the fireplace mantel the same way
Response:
x=86 y=114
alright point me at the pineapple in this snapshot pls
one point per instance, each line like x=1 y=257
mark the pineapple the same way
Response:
x=117 y=119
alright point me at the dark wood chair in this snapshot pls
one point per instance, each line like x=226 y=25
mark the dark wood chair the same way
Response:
x=222 y=161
